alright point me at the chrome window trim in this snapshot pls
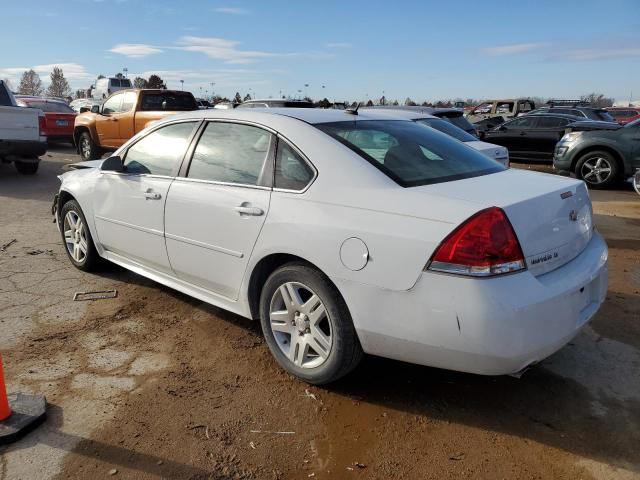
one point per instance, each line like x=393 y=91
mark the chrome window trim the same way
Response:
x=222 y=184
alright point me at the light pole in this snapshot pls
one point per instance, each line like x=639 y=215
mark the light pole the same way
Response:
x=181 y=84
x=212 y=91
x=125 y=70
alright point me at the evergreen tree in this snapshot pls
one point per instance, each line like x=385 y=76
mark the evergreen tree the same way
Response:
x=246 y=98
x=59 y=87
x=237 y=98
x=140 y=82
x=155 y=82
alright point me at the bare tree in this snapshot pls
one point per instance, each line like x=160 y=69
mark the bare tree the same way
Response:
x=30 y=84
x=597 y=100
x=59 y=87
x=140 y=82
x=409 y=102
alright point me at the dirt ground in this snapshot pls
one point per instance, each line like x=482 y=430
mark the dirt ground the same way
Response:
x=154 y=384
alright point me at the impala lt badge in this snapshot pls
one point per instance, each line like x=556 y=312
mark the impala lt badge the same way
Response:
x=573 y=215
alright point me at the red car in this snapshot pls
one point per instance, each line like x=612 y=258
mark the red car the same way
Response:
x=58 y=117
x=624 y=115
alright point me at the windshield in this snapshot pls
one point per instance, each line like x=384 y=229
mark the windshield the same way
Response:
x=635 y=123
x=410 y=154
x=446 y=127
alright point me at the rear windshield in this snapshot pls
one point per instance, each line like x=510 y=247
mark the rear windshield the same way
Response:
x=458 y=120
x=51 y=107
x=622 y=113
x=172 y=101
x=409 y=153
x=447 y=127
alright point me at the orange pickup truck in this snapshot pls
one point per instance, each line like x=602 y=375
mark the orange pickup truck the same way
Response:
x=108 y=126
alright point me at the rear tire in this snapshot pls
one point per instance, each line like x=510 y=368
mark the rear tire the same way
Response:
x=27 y=168
x=76 y=238
x=307 y=325
x=598 y=169
x=88 y=148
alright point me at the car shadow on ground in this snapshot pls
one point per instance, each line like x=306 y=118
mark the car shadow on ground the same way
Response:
x=51 y=435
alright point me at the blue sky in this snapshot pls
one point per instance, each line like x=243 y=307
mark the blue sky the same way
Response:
x=426 y=50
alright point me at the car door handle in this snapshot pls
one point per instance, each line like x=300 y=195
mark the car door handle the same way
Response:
x=522 y=134
x=151 y=195
x=254 y=211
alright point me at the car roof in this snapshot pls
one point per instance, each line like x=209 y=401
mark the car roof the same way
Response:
x=307 y=115
x=399 y=113
x=551 y=114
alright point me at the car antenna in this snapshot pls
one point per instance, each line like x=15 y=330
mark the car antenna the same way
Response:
x=353 y=111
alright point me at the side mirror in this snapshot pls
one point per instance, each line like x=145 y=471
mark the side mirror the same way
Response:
x=112 y=164
x=95 y=108
x=502 y=128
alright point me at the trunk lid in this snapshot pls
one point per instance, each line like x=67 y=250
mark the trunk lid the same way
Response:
x=551 y=215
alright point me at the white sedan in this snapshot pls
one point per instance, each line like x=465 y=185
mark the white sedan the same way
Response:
x=346 y=232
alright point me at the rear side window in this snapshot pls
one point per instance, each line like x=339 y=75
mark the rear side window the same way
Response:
x=115 y=82
x=504 y=108
x=232 y=153
x=5 y=99
x=292 y=172
x=523 y=122
x=409 y=153
x=172 y=101
x=160 y=152
x=603 y=115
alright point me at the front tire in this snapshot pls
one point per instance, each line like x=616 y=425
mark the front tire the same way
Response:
x=88 y=148
x=598 y=169
x=76 y=238
x=307 y=325
x=26 y=168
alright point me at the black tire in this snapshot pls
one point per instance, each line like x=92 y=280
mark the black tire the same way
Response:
x=88 y=148
x=27 y=168
x=91 y=260
x=603 y=178
x=345 y=352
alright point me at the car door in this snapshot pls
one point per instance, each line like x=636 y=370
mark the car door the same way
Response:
x=216 y=208
x=542 y=139
x=107 y=125
x=125 y=118
x=129 y=205
x=508 y=135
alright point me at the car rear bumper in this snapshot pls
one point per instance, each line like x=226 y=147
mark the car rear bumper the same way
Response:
x=490 y=326
x=22 y=148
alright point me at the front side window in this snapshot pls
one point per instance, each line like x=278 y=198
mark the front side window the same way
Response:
x=409 y=153
x=160 y=152
x=483 y=108
x=115 y=82
x=128 y=101
x=504 y=107
x=292 y=172
x=232 y=153
x=522 y=122
x=552 y=122
x=112 y=105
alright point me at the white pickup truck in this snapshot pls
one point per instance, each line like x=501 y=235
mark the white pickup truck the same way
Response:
x=21 y=141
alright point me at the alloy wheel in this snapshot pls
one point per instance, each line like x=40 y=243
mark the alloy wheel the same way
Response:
x=86 y=148
x=75 y=236
x=596 y=170
x=301 y=325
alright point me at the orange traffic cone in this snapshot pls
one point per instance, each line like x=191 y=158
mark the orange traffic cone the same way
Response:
x=5 y=409
x=30 y=410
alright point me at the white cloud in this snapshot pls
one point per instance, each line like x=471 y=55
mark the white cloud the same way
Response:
x=232 y=10
x=338 y=45
x=513 y=49
x=590 y=54
x=222 y=49
x=76 y=74
x=135 y=50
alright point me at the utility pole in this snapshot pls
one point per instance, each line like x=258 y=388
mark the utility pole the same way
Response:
x=181 y=84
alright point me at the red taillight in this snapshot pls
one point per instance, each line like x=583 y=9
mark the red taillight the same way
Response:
x=42 y=124
x=484 y=245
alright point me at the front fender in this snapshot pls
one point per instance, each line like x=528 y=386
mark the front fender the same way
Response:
x=79 y=185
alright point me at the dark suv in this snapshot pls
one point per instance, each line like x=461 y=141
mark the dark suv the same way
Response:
x=600 y=157
x=576 y=108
